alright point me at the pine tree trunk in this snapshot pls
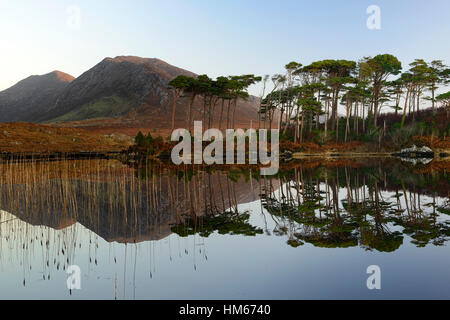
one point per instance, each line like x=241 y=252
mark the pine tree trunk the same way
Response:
x=301 y=126
x=234 y=112
x=175 y=98
x=221 y=113
x=404 y=109
x=191 y=101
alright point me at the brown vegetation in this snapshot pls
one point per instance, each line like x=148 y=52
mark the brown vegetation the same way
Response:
x=434 y=142
x=21 y=137
x=314 y=147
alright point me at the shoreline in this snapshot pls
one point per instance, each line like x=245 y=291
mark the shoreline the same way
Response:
x=333 y=155
x=55 y=156
x=439 y=155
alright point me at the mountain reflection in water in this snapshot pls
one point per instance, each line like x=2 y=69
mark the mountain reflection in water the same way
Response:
x=63 y=212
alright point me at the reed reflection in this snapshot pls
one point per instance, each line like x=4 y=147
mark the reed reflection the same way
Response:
x=56 y=211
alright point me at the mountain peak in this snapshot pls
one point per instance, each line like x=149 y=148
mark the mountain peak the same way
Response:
x=147 y=65
x=31 y=97
x=114 y=88
x=135 y=59
x=65 y=77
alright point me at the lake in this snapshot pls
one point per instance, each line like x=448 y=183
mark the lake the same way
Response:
x=157 y=232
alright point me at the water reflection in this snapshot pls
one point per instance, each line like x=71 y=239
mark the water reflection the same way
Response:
x=116 y=202
x=369 y=207
x=58 y=213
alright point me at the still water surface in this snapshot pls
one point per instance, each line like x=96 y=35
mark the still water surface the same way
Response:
x=153 y=233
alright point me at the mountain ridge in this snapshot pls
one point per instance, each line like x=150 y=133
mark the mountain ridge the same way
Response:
x=122 y=83
x=115 y=89
x=32 y=96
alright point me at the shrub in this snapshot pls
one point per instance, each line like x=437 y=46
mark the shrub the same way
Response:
x=401 y=136
x=320 y=138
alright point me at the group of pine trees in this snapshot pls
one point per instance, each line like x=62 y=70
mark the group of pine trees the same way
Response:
x=364 y=88
x=222 y=93
x=306 y=99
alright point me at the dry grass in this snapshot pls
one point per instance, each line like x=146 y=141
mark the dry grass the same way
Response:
x=158 y=125
x=24 y=137
x=434 y=142
x=328 y=147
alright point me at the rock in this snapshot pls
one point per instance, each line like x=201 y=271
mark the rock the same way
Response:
x=414 y=152
x=415 y=149
x=424 y=149
x=286 y=155
x=416 y=161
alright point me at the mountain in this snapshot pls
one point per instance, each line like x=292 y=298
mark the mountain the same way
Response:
x=114 y=87
x=30 y=98
x=120 y=94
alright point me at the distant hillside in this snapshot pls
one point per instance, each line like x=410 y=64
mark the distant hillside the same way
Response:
x=114 y=87
x=125 y=91
x=32 y=97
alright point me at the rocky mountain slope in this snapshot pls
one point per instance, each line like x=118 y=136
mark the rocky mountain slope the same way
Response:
x=114 y=87
x=125 y=91
x=32 y=97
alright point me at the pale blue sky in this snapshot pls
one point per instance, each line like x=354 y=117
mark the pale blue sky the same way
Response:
x=220 y=37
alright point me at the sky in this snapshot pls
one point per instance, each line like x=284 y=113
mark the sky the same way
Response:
x=220 y=37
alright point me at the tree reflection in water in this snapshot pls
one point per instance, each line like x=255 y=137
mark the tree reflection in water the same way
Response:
x=376 y=205
x=372 y=207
